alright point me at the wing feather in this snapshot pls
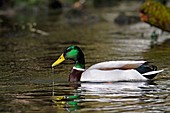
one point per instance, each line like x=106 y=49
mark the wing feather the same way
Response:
x=110 y=65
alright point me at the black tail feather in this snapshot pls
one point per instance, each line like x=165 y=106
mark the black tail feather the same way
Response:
x=147 y=68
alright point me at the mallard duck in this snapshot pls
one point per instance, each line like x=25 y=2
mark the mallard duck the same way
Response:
x=106 y=71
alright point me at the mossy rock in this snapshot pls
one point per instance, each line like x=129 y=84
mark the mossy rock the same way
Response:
x=156 y=14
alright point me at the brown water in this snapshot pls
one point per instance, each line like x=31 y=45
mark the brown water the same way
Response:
x=26 y=76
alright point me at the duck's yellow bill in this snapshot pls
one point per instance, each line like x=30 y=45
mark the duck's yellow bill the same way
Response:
x=60 y=59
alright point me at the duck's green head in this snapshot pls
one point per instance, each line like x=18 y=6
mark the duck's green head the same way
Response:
x=72 y=53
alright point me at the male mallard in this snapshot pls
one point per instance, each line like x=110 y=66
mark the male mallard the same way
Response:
x=106 y=71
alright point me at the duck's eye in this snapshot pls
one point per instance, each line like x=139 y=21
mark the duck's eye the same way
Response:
x=68 y=50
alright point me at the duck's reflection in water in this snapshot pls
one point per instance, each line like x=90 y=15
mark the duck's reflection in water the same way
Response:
x=102 y=92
